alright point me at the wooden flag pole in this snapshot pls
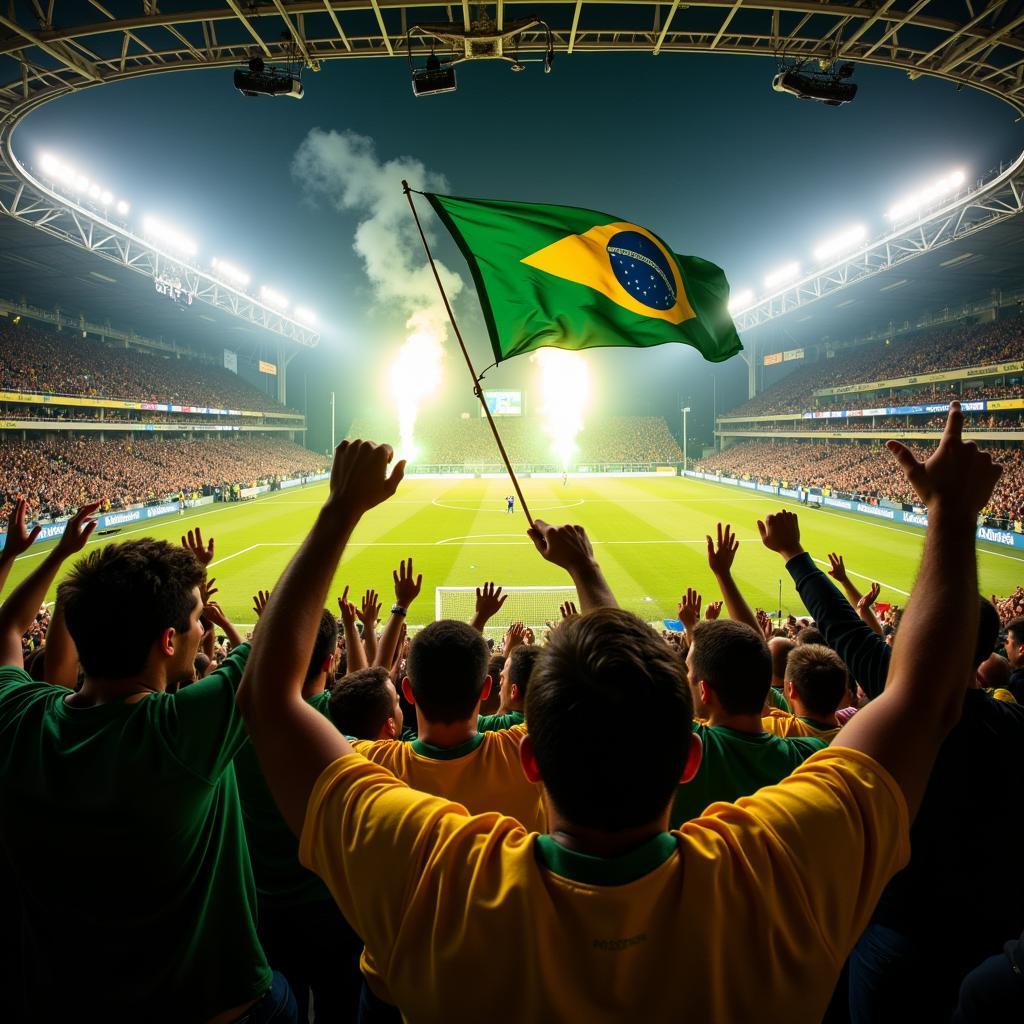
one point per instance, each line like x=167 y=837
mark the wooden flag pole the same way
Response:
x=469 y=363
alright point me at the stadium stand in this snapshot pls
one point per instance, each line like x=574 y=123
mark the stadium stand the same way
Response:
x=459 y=442
x=39 y=361
x=927 y=352
x=58 y=474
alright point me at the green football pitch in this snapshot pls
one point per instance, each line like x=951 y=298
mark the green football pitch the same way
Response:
x=648 y=535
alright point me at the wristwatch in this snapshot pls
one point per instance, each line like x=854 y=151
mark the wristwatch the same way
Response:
x=397 y=609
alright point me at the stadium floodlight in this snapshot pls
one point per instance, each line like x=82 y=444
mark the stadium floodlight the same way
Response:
x=164 y=233
x=782 y=275
x=123 y=207
x=740 y=300
x=274 y=298
x=938 y=189
x=106 y=197
x=305 y=316
x=843 y=242
x=229 y=272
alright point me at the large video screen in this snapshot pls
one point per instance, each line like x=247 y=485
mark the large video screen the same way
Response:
x=504 y=403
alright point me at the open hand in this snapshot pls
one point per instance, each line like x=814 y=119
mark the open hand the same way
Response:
x=193 y=540
x=369 y=610
x=564 y=546
x=360 y=478
x=407 y=588
x=78 y=531
x=781 y=532
x=722 y=554
x=837 y=568
x=689 y=609
x=489 y=600
x=19 y=539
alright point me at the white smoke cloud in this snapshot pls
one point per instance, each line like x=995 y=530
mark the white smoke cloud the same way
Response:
x=343 y=169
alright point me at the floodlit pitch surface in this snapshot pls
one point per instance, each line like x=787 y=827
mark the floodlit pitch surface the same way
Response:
x=648 y=535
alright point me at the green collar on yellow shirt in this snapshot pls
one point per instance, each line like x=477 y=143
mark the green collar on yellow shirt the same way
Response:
x=447 y=753
x=591 y=870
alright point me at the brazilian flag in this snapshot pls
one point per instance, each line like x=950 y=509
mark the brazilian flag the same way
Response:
x=562 y=277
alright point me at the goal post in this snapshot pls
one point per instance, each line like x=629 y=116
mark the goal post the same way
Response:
x=533 y=606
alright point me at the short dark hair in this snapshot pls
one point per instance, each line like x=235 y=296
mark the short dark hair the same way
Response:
x=819 y=677
x=447 y=667
x=810 y=635
x=604 y=667
x=200 y=663
x=779 y=648
x=360 y=703
x=1014 y=626
x=491 y=705
x=325 y=644
x=521 y=662
x=988 y=632
x=141 y=586
x=733 y=659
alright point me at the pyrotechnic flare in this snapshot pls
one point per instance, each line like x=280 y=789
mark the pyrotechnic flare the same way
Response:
x=564 y=391
x=416 y=374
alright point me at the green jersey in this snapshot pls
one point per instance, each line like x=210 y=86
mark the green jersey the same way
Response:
x=737 y=764
x=123 y=828
x=492 y=723
x=281 y=880
x=778 y=700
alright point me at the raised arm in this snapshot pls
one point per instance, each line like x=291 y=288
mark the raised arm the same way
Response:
x=294 y=742
x=368 y=613
x=866 y=654
x=407 y=589
x=931 y=663
x=355 y=652
x=489 y=600
x=18 y=611
x=863 y=603
x=570 y=548
x=17 y=542
x=720 y=559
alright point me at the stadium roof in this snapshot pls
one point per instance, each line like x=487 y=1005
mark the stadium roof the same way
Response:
x=959 y=273
x=44 y=271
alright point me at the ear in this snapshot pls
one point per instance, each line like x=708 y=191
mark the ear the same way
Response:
x=529 y=762
x=166 y=642
x=407 y=690
x=787 y=691
x=694 y=756
x=513 y=692
x=486 y=691
x=390 y=729
x=328 y=662
x=705 y=692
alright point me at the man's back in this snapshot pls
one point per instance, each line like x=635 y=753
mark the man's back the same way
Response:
x=123 y=825
x=969 y=827
x=650 y=935
x=736 y=764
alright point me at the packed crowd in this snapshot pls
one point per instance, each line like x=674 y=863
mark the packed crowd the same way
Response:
x=57 y=474
x=461 y=442
x=854 y=468
x=893 y=424
x=48 y=413
x=40 y=361
x=262 y=835
x=927 y=352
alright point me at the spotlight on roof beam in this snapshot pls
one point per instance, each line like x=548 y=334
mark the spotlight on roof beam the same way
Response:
x=305 y=316
x=274 y=299
x=229 y=272
x=740 y=300
x=825 y=86
x=158 y=231
x=782 y=275
x=434 y=78
x=843 y=242
x=939 y=189
x=261 y=80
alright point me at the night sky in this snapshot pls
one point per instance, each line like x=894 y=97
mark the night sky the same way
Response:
x=696 y=147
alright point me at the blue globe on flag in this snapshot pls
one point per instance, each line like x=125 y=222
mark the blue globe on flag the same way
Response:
x=642 y=269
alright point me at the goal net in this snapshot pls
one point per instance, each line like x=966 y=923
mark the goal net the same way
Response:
x=533 y=606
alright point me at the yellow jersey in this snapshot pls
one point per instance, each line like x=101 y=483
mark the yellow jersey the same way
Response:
x=483 y=774
x=746 y=913
x=782 y=723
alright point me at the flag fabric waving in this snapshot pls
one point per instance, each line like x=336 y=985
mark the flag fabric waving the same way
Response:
x=562 y=277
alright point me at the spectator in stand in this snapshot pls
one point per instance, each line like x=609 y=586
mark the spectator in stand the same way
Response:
x=514 y=681
x=729 y=670
x=410 y=870
x=816 y=688
x=1015 y=656
x=910 y=961
x=157 y=921
x=780 y=648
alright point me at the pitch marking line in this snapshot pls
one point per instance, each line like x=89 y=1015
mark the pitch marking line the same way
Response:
x=479 y=508
x=870 y=579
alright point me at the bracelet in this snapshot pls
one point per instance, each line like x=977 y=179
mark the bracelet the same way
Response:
x=397 y=609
